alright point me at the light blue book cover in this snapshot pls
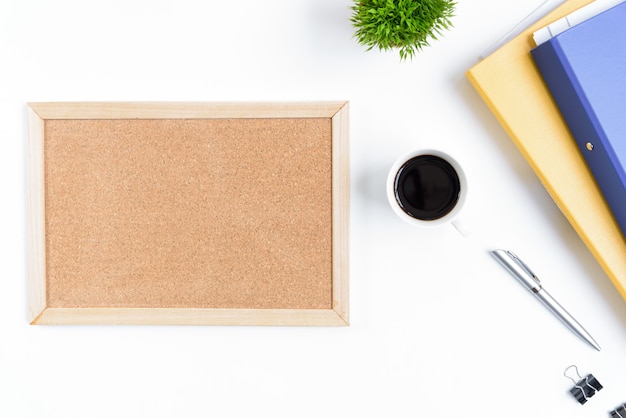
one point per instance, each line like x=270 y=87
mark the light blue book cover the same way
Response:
x=584 y=67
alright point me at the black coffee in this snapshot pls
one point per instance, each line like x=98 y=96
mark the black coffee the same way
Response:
x=427 y=187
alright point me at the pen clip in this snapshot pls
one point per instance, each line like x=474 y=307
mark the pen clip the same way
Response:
x=523 y=266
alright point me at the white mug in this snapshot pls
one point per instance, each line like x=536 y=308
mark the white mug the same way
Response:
x=427 y=188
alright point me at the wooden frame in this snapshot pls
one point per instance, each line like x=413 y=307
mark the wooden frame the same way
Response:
x=40 y=311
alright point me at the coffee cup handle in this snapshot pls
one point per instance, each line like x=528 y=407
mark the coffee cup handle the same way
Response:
x=462 y=226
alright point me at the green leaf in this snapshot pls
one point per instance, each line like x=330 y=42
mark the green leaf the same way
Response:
x=405 y=25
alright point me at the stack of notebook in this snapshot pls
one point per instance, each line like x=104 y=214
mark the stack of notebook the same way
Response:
x=582 y=59
x=511 y=84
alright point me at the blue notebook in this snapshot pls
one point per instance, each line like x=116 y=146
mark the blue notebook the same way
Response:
x=584 y=67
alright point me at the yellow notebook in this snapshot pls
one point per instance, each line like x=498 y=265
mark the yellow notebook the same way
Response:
x=512 y=87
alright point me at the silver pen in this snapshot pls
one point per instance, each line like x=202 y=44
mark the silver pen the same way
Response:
x=524 y=274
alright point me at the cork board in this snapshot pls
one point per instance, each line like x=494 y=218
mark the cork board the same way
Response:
x=188 y=213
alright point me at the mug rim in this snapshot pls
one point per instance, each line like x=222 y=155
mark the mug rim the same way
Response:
x=391 y=188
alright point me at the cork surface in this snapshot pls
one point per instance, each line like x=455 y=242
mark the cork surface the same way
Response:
x=188 y=213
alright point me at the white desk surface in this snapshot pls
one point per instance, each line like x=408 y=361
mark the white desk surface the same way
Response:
x=438 y=328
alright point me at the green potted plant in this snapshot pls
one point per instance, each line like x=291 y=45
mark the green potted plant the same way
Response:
x=405 y=25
